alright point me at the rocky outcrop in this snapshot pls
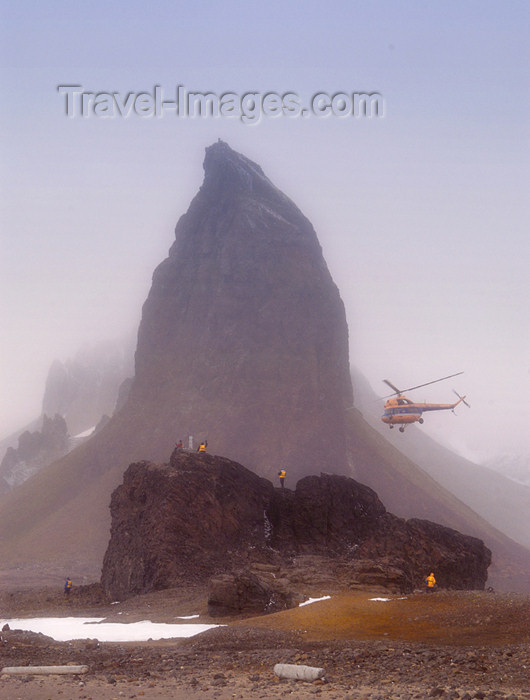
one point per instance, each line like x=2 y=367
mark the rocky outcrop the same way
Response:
x=203 y=516
x=183 y=521
x=35 y=450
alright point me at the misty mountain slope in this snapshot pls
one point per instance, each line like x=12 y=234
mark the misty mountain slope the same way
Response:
x=85 y=387
x=511 y=465
x=243 y=341
x=59 y=519
x=11 y=440
x=501 y=501
x=35 y=450
x=81 y=390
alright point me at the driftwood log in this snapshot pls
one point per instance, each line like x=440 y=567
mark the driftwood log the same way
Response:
x=43 y=670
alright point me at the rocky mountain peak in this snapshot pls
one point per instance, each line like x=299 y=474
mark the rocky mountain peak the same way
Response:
x=226 y=171
x=243 y=336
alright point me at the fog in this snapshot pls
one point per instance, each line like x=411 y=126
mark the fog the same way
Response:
x=421 y=213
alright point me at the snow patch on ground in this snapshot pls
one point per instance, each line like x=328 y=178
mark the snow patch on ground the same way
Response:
x=64 y=629
x=314 y=600
x=85 y=433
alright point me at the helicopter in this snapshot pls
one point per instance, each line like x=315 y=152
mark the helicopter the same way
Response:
x=399 y=410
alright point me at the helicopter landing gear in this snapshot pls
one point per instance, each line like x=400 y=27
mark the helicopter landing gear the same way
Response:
x=401 y=428
x=420 y=421
x=391 y=426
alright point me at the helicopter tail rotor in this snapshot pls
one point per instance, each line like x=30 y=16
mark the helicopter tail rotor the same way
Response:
x=462 y=398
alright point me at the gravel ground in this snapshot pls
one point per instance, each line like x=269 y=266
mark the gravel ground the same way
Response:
x=237 y=661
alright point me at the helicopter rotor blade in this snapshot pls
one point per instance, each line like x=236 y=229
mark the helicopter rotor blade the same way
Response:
x=392 y=386
x=462 y=398
x=418 y=386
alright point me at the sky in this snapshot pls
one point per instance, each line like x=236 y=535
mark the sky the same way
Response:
x=421 y=211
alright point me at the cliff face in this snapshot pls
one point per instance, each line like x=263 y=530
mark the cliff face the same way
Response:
x=203 y=515
x=243 y=338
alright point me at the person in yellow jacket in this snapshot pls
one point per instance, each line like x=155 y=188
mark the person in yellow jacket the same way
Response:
x=202 y=447
x=282 y=474
x=430 y=582
x=67 y=586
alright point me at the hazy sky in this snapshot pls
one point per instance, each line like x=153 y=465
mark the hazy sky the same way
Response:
x=421 y=213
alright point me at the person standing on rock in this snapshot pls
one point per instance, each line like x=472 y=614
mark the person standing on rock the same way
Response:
x=430 y=583
x=282 y=474
x=67 y=586
x=202 y=447
x=179 y=445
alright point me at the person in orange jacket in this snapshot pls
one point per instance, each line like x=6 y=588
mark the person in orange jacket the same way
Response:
x=430 y=583
x=282 y=474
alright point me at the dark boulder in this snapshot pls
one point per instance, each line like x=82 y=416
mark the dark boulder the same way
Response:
x=250 y=591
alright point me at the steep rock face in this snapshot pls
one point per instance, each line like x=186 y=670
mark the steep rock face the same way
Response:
x=324 y=514
x=203 y=515
x=243 y=338
x=182 y=521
